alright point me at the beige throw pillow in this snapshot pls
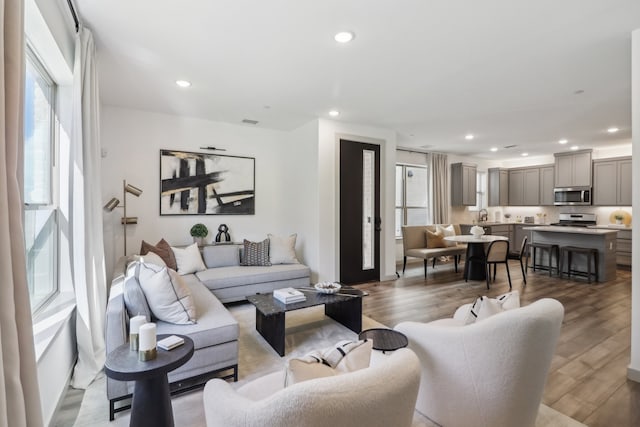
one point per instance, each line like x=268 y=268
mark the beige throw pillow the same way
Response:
x=168 y=295
x=449 y=230
x=189 y=259
x=282 y=250
x=434 y=239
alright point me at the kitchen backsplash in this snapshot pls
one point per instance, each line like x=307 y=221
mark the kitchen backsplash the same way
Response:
x=462 y=215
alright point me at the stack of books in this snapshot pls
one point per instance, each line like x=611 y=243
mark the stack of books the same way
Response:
x=289 y=295
x=169 y=343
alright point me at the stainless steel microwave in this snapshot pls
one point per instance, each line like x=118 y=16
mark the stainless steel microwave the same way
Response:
x=572 y=196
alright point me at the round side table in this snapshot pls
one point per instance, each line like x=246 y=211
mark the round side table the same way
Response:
x=385 y=339
x=151 y=404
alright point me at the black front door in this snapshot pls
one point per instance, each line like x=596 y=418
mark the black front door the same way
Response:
x=359 y=212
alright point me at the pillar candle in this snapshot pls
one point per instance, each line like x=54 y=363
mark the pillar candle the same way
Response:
x=134 y=328
x=147 y=337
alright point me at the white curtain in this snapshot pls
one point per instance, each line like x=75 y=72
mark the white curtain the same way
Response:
x=440 y=188
x=19 y=395
x=87 y=250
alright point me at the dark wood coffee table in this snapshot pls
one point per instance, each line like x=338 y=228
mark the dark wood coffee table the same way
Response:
x=385 y=339
x=344 y=307
x=151 y=404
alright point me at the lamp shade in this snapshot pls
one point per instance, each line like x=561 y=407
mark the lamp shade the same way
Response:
x=132 y=190
x=111 y=204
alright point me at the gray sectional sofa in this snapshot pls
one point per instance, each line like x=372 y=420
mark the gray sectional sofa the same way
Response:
x=216 y=332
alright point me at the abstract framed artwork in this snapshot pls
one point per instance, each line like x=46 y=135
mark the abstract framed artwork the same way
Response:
x=206 y=184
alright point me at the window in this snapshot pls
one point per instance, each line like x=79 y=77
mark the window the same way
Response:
x=411 y=196
x=481 y=191
x=40 y=210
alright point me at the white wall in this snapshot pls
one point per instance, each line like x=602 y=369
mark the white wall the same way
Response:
x=330 y=133
x=634 y=366
x=132 y=139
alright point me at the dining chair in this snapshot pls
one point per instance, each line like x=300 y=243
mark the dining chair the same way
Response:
x=497 y=253
x=520 y=257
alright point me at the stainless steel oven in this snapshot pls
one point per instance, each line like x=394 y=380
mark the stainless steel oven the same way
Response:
x=572 y=196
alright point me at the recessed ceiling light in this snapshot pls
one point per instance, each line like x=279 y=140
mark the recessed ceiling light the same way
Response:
x=344 y=36
x=574 y=147
x=334 y=113
x=183 y=83
x=563 y=141
x=469 y=137
x=524 y=154
x=494 y=149
x=613 y=130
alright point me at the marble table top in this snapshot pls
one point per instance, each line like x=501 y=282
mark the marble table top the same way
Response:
x=470 y=238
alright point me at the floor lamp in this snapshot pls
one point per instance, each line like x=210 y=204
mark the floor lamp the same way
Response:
x=114 y=202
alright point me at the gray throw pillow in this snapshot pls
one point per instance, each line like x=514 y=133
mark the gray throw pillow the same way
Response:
x=134 y=299
x=221 y=256
x=256 y=253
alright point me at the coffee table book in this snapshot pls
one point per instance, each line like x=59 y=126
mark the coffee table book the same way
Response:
x=289 y=295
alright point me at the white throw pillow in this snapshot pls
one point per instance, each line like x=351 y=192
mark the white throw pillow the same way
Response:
x=345 y=356
x=485 y=307
x=188 y=259
x=282 y=250
x=168 y=296
x=447 y=231
x=153 y=258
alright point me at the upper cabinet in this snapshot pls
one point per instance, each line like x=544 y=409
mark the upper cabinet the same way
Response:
x=612 y=182
x=547 y=180
x=498 y=187
x=573 y=169
x=463 y=184
x=524 y=186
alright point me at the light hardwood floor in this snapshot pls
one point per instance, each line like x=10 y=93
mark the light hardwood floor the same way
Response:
x=588 y=373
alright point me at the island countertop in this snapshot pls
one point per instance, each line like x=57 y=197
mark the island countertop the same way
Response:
x=572 y=230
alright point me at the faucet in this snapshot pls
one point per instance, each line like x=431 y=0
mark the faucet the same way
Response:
x=483 y=215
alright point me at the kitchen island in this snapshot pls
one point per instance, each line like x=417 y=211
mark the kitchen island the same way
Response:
x=604 y=240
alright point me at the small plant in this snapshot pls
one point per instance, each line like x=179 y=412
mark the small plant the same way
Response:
x=619 y=217
x=199 y=230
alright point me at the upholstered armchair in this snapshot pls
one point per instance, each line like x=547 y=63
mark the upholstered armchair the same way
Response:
x=381 y=395
x=487 y=374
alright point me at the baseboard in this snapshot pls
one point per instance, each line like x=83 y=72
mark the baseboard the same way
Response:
x=633 y=374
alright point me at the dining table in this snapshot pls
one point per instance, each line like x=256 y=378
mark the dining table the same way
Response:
x=475 y=261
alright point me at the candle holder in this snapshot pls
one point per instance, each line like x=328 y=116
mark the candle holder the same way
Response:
x=147 y=355
x=134 y=342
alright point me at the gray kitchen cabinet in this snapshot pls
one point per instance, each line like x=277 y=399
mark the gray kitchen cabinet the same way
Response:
x=524 y=187
x=463 y=184
x=624 y=182
x=547 y=178
x=516 y=187
x=573 y=169
x=623 y=248
x=498 y=187
x=612 y=182
x=531 y=196
x=518 y=234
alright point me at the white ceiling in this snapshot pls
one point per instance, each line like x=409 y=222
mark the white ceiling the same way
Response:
x=504 y=70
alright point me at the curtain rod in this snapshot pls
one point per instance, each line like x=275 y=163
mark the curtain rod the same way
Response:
x=74 y=15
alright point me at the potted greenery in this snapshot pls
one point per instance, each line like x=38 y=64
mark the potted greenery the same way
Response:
x=619 y=218
x=199 y=232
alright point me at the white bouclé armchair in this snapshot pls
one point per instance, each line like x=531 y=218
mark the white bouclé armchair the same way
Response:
x=382 y=395
x=487 y=374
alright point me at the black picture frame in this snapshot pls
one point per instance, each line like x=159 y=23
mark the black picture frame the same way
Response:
x=206 y=184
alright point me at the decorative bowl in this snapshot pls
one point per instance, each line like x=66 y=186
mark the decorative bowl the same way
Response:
x=327 y=287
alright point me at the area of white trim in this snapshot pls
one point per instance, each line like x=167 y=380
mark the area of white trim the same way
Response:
x=633 y=374
x=48 y=323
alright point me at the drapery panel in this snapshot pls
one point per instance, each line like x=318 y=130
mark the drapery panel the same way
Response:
x=440 y=188
x=19 y=395
x=87 y=249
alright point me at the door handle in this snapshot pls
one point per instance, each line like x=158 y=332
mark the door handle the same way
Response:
x=378 y=224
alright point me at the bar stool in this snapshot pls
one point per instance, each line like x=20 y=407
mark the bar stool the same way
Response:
x=550 y=248
x=590 y=253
